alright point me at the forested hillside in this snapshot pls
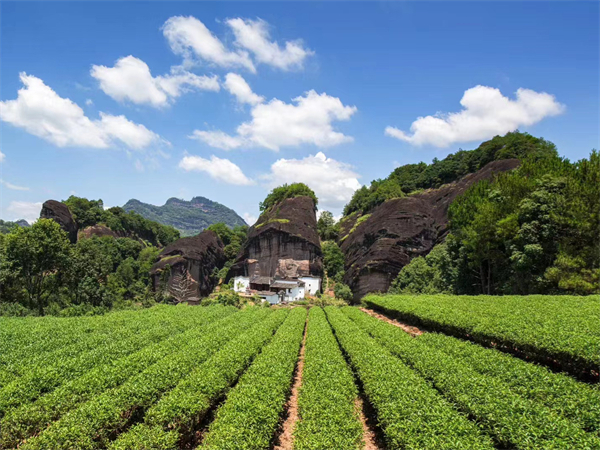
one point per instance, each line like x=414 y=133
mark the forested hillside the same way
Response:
x=189 y=217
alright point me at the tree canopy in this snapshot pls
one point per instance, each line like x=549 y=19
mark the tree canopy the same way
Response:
x=286 y=191
x=411 y=178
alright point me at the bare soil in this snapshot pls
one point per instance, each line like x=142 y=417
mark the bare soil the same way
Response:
x=285 y=438
x=370 y=437
x=413 y=331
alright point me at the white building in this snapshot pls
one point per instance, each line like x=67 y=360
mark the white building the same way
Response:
x=274 y=290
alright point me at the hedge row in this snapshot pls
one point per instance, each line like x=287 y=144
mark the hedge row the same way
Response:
x=411 y=413
x=512 y=420
x=575 y=400
x=54 y=349
x=182 y=409
x=250 y=415
x=327 y=403
x=92 y=424
x=551 y=329
x=28 y=419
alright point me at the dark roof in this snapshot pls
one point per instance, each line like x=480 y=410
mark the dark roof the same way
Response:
x=280 y=284
x=261 y=280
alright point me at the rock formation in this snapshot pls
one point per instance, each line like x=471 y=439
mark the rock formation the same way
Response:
x=284 y=243
x=100 y=231
x=192 y=261
x=379 y=245
x=60 y=213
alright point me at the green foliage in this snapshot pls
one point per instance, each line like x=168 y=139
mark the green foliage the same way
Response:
x=189 y=217
x=92 y=423
x=410 y=412
x=560 y=328
x=431 y=274
x=343 y=291
x=533 y=230
x=34 y=258
x=286 y=191
x=91 y=212
x=226 y=297
x=327 y=398
x=182 y=324
x=190 y=401
x=410 y=178
x=250 y=416
x=7 y=227
x=512 y=420
x=233 y=239
x=333 y=258
x=327 y=228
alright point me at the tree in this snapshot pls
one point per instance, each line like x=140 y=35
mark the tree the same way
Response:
x=327 y=228
x=343 y=292
x=333 y=258
x=38 y=255
x=286 y=191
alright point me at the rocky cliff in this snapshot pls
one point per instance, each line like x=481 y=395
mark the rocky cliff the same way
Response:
x=376 y=246
x=284 y=242
x=60 y=213
x=192 y=261
x=189 y=218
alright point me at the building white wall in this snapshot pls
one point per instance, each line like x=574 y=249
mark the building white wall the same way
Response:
x=272 y=299
x=240 y=284
x=312 y=285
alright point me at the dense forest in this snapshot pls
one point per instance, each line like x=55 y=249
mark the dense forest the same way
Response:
x=530 y=231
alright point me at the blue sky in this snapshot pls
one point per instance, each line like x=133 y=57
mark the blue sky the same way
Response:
x=120 y=100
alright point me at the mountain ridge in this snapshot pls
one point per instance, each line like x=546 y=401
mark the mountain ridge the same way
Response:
x=190 y=217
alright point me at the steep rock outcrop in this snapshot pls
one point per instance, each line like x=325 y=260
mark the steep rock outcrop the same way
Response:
x=192 y=261
x=401 y=229
x=284 y=242
x=59 y=212
x=100 y=231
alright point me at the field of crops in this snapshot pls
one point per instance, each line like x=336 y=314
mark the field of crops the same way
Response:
x=328 y=378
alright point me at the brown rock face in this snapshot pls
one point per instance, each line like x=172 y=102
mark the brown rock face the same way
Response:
x=100 y=231
x=59 y=212
x=192 y=259
x=283 y=243
x=402 y=229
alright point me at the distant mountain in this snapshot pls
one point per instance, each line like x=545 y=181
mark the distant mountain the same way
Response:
x=189 y=218
x=6 y=227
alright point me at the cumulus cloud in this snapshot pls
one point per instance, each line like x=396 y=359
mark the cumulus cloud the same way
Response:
x=238 y=87
x=333 y=181
x=486 y=113
x=217 y=168
x=130 y=80
x=253 y=35
x=30 y=211
x=42 y=112
x=189 y=37
x=276 y=124
x=250 y=218
x=2 y=156
x=13 y=187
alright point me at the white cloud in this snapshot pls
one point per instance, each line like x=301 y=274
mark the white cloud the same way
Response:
x=333 y=181
x=278 y=124
x=486 y=113
x=238 y=87
x=30 y=211
x=253 y=35
x=42 y=112
x=250 y=218
x=189 y=37
x=130 y=80
x=217 y=168
x=89 y=102
x=2 y=157
x=13 y=187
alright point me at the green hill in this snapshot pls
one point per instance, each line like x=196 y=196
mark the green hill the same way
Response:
x=189 y=217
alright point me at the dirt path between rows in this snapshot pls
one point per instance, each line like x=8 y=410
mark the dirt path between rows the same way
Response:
x=285 y=439
x=413 y=331
x=369 y=436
